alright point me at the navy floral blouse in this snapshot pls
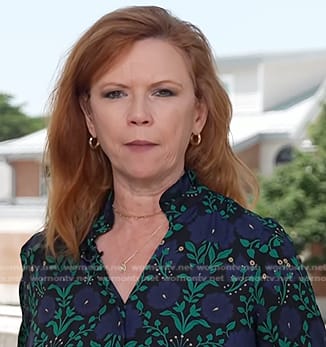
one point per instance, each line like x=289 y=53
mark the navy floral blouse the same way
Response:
x=222 y=276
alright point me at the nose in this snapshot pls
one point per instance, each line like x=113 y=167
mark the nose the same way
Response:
x=139 y=112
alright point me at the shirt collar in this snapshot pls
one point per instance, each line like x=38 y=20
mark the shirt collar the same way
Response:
x=184 y=187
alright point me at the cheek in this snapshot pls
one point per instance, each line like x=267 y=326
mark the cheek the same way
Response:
x=177 y=142
x=107 y=134
x=181 y=128
x=105 y=123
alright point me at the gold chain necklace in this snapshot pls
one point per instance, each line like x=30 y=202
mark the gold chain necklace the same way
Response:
x=123 y=264
x=128 y=216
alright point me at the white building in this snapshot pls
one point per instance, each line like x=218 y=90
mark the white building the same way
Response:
x=275 y=97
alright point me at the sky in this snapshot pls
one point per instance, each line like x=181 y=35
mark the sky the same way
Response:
x=36 y=35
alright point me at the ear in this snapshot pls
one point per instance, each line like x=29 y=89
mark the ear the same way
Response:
x=201 y=112
x=84 y=105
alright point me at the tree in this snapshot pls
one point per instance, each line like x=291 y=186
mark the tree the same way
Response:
x=14 y=122
x=296 y=193
x=317 y=132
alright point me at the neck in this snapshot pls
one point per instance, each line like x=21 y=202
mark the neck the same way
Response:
x=141 y=197
x=136 y=217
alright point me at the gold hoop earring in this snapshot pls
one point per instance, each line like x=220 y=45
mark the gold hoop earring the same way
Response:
x=93 y=143
x=195 y=139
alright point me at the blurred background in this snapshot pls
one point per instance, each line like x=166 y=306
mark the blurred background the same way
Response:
x=271 y=58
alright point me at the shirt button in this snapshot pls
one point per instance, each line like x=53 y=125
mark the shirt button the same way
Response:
x=181 y=248
x=162 y=242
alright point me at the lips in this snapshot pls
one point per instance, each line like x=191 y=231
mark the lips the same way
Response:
x=140 y=146
x=141 y=143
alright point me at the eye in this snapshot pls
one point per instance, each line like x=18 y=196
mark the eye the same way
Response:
x=164 y=92
x=114 y=94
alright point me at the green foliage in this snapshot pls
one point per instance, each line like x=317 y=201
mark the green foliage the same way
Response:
x=14 y=122
x=296 y=193
x=318 y=131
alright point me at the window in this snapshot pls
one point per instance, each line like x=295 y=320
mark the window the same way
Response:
x=285 y=155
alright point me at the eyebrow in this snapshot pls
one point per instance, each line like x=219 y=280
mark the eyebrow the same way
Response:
x=169 y=82
x=155 y=84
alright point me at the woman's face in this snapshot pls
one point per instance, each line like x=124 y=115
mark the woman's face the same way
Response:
x=144 y=110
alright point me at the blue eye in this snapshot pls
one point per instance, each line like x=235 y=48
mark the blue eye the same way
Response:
x=164 y=93
x=114 y=94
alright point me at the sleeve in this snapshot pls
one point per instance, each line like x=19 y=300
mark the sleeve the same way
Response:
x=286 y=310
x=24 y=284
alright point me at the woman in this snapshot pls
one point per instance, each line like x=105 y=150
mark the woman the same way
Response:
x=147 y=242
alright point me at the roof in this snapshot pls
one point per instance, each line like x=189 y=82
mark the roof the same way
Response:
x=31 y=145
x=255 y=59
x=289 y=122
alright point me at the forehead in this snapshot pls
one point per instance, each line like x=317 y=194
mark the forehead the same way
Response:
x=150 y=59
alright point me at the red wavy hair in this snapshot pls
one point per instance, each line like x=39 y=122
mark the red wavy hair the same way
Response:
x=80 y=177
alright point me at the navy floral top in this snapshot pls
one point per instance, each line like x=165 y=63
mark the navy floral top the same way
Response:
x=222 y=276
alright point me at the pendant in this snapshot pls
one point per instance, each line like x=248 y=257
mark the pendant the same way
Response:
x=123 y=267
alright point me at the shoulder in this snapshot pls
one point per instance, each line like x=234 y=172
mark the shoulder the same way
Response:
x=33 y=247
x=34 y=243
x=255 y=233
x=264 y=238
